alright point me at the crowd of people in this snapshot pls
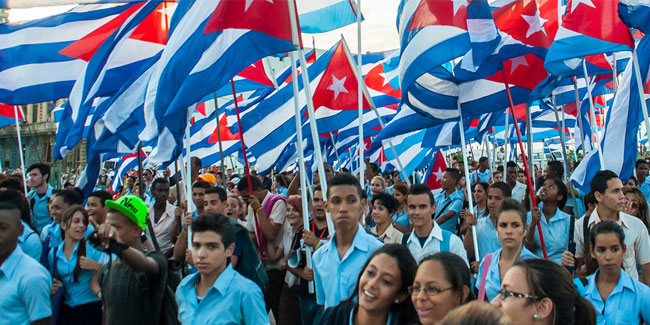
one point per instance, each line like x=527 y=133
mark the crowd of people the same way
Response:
x=238 y=250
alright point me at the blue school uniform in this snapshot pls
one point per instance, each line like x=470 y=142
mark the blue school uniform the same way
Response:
x=486 y=235
x=30 y=243
x=402 y=219
x=40 y=213
x=232 y=299
x=556 y=234
x=493 y=278
x=446 y=203
x=483 y=177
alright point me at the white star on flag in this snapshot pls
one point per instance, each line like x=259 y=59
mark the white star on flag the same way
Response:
x=388 y=76
x=517 y=61
x=535 y=24
x=248 y=3
x=437 y=174
x=458 y=4
x=575 y=3
x=338 y=86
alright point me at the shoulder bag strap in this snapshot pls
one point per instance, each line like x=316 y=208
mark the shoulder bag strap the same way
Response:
x=486 y=266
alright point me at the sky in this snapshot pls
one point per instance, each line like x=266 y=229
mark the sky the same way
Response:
x=378 y=30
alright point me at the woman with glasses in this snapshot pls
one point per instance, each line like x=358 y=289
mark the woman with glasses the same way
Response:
x=441 y=284
x=381 y=295
x=537 y=291
x=617 y=297
x=511 y=227
x=555 y=223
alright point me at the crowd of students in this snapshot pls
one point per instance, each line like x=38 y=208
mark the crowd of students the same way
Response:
x=398 y=254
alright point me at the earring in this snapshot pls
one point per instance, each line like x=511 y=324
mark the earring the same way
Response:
x=535 y=316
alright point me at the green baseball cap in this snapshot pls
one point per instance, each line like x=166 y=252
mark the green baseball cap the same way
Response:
x=133 y=207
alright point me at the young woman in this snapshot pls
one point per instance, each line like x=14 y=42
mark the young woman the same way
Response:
x=480 y=199
x=537 y=291
x=401 y=218
x=636 y=205
x=441 y=284
x=73 y=264
x=377 y=185
x=383 y=207
x=555 y=222
x=511 y=227
x=617 y=297
x=488 y=241
x=381 y=295
x=295 y=281
x=280 y=185
x=234 y=208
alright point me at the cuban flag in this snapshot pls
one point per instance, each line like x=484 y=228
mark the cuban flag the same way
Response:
x=436 y=168
x=225 y=37
x=524 y=29
x=204 y=135
x=635 y=13
x=40 y=60
x=125 y=164
x=8 y=115
x=410 y=151
x=623 y=119
x=319 y=16
x=589 y=27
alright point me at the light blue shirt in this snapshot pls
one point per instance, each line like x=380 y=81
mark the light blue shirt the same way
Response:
x=40 y=213
x=30 y=243
x=282 y=191
x=627 y=304
x=402 y=219
x=54 y=231
x=580 y=210
x=24 y=289
x=556 y=234
x=486 y=235
x=645 y=188
x=456 y=205
x=483 y=177
x=76 y=293
x=493 y=278
x=232 y=299
x=336 y=278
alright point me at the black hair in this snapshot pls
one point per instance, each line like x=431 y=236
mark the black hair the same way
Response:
x=102 y=196
x=590 y=198
x=521 y=171
x=243 y=184
x=79 y=191
x=557 y=167
x=11 y=208
x=454 y=173
x=500 y=169
x=15 y=183
x=639 y=162
x=159 y=181
x=511 y=164
x=279 y=178
x=201 y=184
x=217 y=223
x=19 y=201
x=606 y=227
x=345 y=179
x=456 y=272
x=401 y=188
x=513 y=205
x=599 y=181
x=196 y=162
x=561 y=190
x=223 y=196
x=482 y=159
x=44 y=169
x=503 y=187
x=547 y=279
x=403 y=312
x=419 y=189
x=387 y=200
x=484 y=185
x=70 y=197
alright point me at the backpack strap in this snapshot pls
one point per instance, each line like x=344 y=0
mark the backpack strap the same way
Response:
x=268 y=205
x=486 y=267
x=446 y=237
x=405 y=238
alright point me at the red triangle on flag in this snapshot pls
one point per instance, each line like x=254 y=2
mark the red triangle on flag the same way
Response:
x=226 y=135
x=522 y=21
x=8 y=111
x=269 y=17
x=256 y=72
x=597 y=19
x=155 y=27
x=434 y=180
x=439 y=12
x=338 y=88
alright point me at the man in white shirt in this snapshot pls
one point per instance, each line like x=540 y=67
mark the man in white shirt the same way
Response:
x=518 y=189
x=162 y=213
x=608 y=190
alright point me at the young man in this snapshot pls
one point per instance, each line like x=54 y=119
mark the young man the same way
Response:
x=337 y=264
x=28 y=240
x=39 y=196
x=199 y=189
x=25 y=284
x=217 y=293
x=162 y=213
x=319 y=232
x=427 y=237
x=96 y=205
x=498 y=177
x=484 y=172
x=449 y=201
x=132 y=287
x=518 y=189
x=642 y=179
x=195 y=171
x=608 y=191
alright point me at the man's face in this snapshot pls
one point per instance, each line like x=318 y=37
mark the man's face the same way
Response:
x=35 y=178
x=198 y=195
x=642 y=171
x=211 y=203
x=512 y=174
x=56 y=207
x=10 y=229
x=613 y=198
x=126 y=231
x=160 y=192
x=147 y=176
x=447 y=182
x=209 y=253
x=521 y=178
x=318 y=205
x=420 y=209
x=498 y=177
x=96 y=209
x=345 y=206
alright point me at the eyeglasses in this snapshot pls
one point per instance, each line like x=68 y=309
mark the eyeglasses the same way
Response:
x=503 y=294
x=430 y=291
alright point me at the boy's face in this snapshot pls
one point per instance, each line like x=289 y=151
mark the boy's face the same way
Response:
x=209 y=253
x=498 y=177
x=212 y=203
x=198 y=195
x=420 y=209
x=345 y=206
x=126 y=231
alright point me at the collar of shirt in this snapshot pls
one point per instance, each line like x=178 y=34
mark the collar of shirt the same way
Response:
x=623 y=220
x=624 y=282
x=48 y=193
x=360 y=242
x=10 y=265
x=558 y=216
x=59 y=251
x=169 y=212
x=223 y=281
x=494 y=264
x=436 y=232
x=388 y=233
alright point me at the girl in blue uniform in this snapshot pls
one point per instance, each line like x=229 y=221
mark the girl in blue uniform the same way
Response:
x=555 y=222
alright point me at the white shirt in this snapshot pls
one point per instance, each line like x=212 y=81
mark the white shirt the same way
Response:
x=390 y=236
x=519 y=191
x=278 y=216
x=163 y=227
x=432 y=245
x=637 y=240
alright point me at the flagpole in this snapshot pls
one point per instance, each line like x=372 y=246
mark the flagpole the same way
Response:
x=523 y=157
x=188 y=181
x=178 y=188
x=20 y=147
x=468 y=186
x=216 y=108
x=592 y=115
x=506 y=136
x=471 y=150
x=614 y=72
x=487 y=149
x=336 y=152
x=579 y=116
x=261 y=241
x=301 y=160
x=360 y=99
x=640 y=83
x=310 y=106
x=529 y=140
x=140 y=171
